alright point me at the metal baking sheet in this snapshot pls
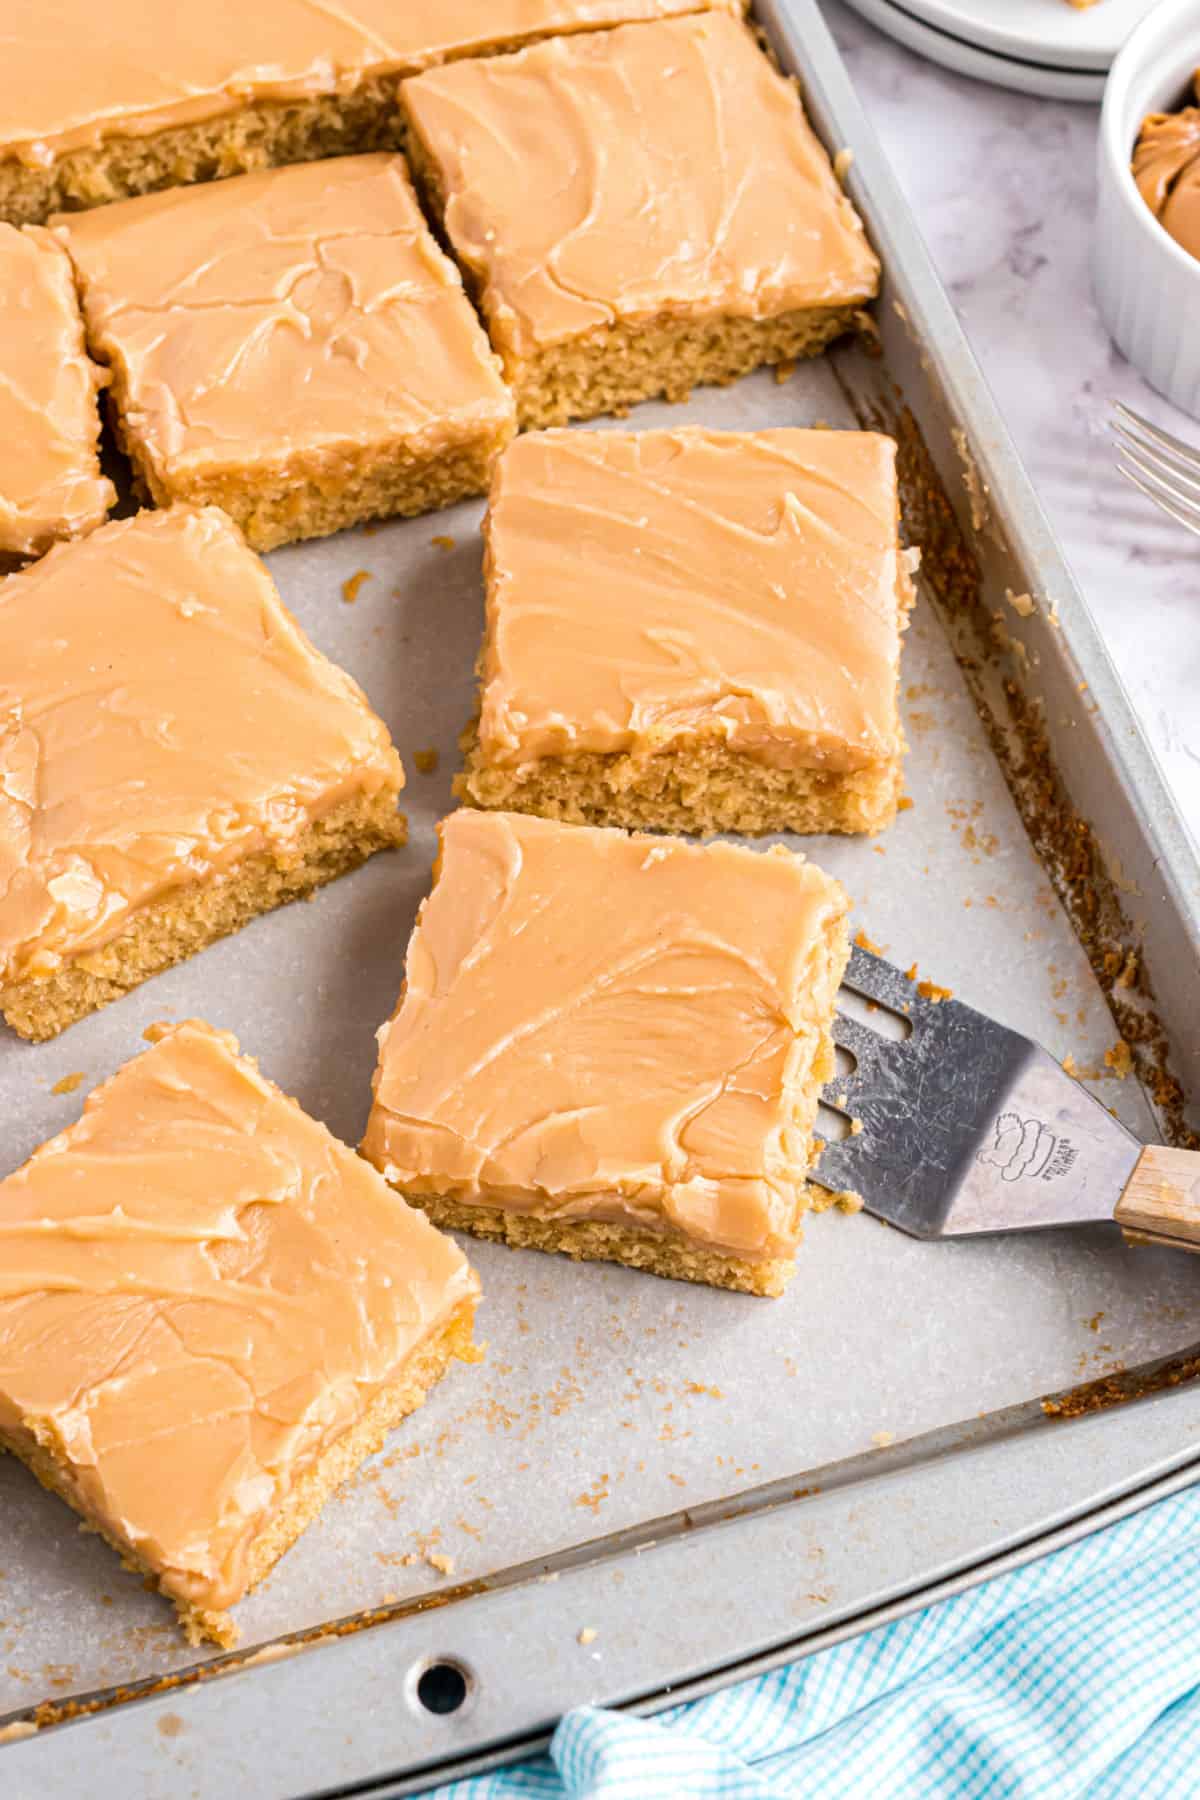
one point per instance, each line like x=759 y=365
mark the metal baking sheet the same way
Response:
x=699 y=1478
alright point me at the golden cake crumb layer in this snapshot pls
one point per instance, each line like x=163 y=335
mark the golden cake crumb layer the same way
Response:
x=204 y=1297
x=662 y=170
x=275 y=339
x=604 y=1029
x=50 y=481
x=162 y=719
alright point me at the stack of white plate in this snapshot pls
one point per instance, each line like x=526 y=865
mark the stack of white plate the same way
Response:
x=1044 y=47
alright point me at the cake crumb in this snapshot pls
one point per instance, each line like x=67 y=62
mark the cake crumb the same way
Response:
x=904 y=803
x=69 y=1083
x=785 y=370
x=843 y=1200
x=883 y=1438
x=1129 y=971
x=929 y=990
x=868 y=330
x=426 y=761
x=439 y=1561
x=1119 y=1059
x=1093 y=1324
x=1070 y=1066
x=865 y=943
x=698 y=1387
x=588 y=1635
x=1024 y=604
x=352 y=586
x=976 y=491
x=442 y=542
x=843 y=162
x=856 y=1126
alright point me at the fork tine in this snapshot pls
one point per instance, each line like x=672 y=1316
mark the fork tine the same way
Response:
x=1177 y=470
x=1176 y=486
x=1186 y=452
x=1177 y=510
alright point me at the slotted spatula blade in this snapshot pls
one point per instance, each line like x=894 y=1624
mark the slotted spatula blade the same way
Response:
x=966 y=1127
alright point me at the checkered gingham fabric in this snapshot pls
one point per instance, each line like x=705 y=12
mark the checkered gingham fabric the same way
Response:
x=1078 y=1675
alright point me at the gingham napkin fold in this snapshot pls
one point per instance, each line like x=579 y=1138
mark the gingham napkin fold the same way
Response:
x=1078 y=1675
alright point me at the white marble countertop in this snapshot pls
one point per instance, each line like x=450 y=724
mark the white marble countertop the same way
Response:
x=1002 y=186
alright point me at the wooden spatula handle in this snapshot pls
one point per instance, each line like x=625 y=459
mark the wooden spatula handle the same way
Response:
x=1161 y=1202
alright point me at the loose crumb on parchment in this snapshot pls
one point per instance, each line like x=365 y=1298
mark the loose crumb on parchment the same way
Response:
x=426 y=761
x=588 y=1635
x=352 y=586
x=69 y=1083
x=442 y=542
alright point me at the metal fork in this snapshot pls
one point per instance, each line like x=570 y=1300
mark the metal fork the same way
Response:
x=1159 y=465
x=967 y=1127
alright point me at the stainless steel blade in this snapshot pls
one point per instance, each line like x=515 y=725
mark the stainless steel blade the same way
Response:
x=966 y=1127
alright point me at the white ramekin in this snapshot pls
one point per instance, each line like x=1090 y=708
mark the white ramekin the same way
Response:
x=1147 y=286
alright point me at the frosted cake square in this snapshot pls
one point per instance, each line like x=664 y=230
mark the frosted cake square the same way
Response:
x=693 y=631
x=50 y=482
x=175 y=758
x=211 y=1312
x=638 y=211
x=292 y=347
x=613 y=1046
x=99 y=103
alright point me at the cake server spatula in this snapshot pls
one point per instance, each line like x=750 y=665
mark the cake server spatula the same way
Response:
x=967 y=1127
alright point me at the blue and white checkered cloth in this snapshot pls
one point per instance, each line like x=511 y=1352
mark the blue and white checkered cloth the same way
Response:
x=1076 y=1676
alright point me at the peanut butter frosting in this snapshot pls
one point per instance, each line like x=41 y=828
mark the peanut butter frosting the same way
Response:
x=664 y=169
x=162 y=716
x=201 y=1290
x=1166 y=167
x=50 y=481
x=648 y=589
x=301 y=309
x=76 y=74
x=599 y=1026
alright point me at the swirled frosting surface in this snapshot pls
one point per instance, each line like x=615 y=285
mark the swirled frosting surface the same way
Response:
x=162 y=715
x=75 y=74
x=600 y=1026
x=649 y=170
x=284 y=314
x=649 y=589
x=200 y=1290
x=50 y=481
